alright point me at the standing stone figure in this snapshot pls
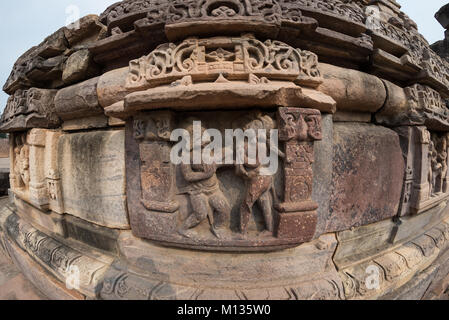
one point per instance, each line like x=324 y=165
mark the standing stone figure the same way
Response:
x=442 y=162
x=205 y=196
x=258 y=186
x=22 y=162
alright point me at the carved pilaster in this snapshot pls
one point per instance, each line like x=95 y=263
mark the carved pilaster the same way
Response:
x=298 y=129
x=152 y=131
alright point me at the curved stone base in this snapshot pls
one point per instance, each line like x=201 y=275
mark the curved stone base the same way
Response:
x=413 y=266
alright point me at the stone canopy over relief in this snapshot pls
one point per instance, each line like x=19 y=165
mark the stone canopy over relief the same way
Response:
x=222 y=72
x=235 y=58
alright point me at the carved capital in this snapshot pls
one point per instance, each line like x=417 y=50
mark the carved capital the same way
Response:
x=299 y=124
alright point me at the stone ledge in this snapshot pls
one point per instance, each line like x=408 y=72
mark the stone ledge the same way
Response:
x=57 y=258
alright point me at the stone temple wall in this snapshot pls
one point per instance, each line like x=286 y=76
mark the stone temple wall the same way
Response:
x=357 y=209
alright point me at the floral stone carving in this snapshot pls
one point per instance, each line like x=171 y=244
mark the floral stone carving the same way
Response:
x=237 y=58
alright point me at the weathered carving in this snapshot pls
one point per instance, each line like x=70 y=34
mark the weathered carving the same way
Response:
x=259 y=185
x=21 y=172
x=153 y=10
x=238 y=58
x=190 y=204
x=268 y=10
x=32 y=108
x=397 y=33
x=299 y=128
x=34 y=174
x=377 y=277
x=426 y=176
x=68 y=265
x=350 y=10
x=422 y=105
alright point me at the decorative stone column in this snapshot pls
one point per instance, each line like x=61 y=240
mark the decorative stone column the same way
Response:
x=299 y=128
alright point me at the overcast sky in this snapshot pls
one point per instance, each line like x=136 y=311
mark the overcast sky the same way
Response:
x=26 y=23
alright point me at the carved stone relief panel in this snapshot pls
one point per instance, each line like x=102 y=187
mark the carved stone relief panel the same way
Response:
x=32 y=166
x=52 y=172
x=224 y=203
x=424 y=106
x=426 y=177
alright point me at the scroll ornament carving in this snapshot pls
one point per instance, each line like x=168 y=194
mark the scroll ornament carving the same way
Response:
x=238 y=58
x=405 y=261
x=426 y=103
x=154 y=10
x=266 y=10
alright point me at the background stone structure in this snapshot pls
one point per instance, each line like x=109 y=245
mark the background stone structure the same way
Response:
x=360 y=102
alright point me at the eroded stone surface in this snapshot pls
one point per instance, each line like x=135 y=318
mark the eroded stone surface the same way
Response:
x=92 y=168
x=367 y=178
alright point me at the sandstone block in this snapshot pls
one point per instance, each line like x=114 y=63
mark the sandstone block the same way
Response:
x=87 y=123
x=79 y=66
x=92 y=169
x=351 y=89
x=112 y=87
x=85 y=30
x=78 y=101
x=368 y=175
x=322 y=173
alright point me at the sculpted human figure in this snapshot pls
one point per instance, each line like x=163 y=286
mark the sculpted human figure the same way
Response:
x=442 y=163
x=22 y=162
x=258 y=186
x=435 y=166
x=206 y=197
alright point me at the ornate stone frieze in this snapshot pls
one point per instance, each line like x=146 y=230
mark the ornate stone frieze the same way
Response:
x=349 y=10
x=72 y=267
x=415 y=105
x=237 y=58
x=126 y=285
x=397 y=35
x=117 y=14
x=427 y=106
x=387 y=272
x=426 y=177
x=310 y=273
x=131 y=22
x=32 y=108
